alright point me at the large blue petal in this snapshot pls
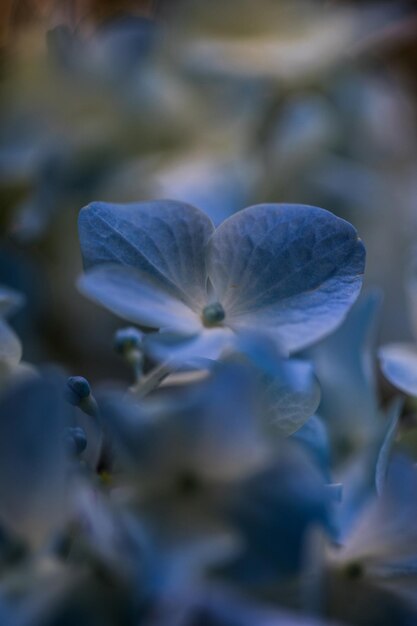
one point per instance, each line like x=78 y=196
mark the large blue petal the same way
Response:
x=292 y=269
x=165 y=239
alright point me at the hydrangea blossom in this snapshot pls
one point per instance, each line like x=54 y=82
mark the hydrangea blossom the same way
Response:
x=349 y=401
x=377 y=561
x=288 y=271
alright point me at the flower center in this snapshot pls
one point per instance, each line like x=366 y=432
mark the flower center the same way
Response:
x=213 y=314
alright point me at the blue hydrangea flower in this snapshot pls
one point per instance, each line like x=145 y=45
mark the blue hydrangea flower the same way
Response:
x=378 y=559
x=288 y=271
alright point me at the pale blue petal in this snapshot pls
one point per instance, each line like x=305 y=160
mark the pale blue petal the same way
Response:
x=292 y=396
x=292 y=269
x=177 y=350
x=164 y=239
x=10 y=346
x=129 y=294
x=314 y=436
x=365 y=473
x=386 y=531
x=399 y=365
x=208 y=428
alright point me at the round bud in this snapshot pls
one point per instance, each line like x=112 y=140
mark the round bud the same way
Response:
x=127 y=339
x=78 y=389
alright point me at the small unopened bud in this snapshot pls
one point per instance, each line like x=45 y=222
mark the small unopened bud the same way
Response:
x=127 y=339
x=79 y=394
x=79 y=388
x=128 y=343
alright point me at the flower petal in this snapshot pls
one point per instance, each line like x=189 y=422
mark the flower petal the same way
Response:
x=10 y=346
x=188 y=351
x=399 y=365
x=165 y=239
x=292 y=269
x=349 y=402
x=292 y=396
x=130 y=294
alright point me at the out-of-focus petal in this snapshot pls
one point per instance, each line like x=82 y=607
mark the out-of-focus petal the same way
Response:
x=399 y=365
x=345 y=366
x=10 y=346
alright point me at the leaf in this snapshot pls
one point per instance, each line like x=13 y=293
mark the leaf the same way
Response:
x=294 y=270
